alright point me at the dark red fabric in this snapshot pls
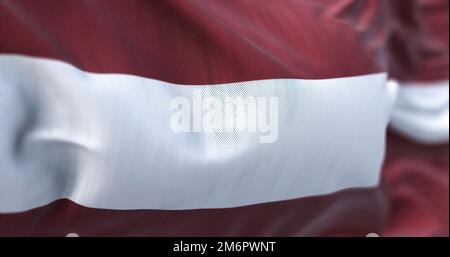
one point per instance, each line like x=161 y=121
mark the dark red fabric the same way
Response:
x=189 y=42
x=351 y=212
x=208 y=42
x=416 y=179
x=418 y=48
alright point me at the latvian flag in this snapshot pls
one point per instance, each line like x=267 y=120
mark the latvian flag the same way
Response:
x=224 y=118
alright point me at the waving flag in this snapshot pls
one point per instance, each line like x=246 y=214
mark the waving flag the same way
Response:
x=91 y=92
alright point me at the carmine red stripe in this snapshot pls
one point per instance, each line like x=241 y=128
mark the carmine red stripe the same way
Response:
x=349 y=212
x=190 y=42
x=208 y=42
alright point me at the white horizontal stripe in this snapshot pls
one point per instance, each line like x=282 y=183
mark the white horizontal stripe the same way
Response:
x=421 y=111
x=103 y=140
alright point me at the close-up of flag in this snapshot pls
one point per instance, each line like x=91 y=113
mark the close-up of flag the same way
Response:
x=289 y=118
